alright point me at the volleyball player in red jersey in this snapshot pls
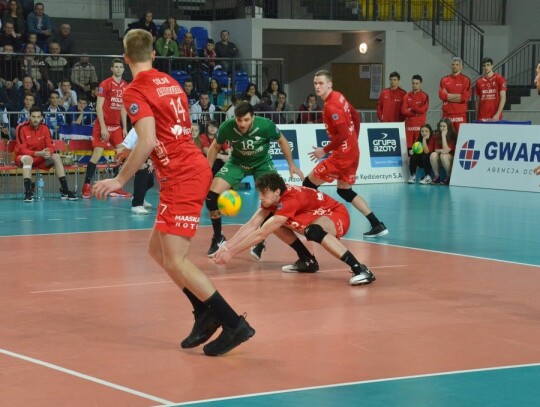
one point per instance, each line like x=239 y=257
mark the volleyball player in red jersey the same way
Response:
x=455 y=92
x=490 y=92
x=317 y=216
x=110 y=127
x=414 y=107
x=343 y=126
x=158 y=108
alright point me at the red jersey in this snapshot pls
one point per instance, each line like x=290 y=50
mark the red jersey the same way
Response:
x=342 y=126
x=30 y=140
x=488 y=92
x=155 y=94
x=112 y=91
x=206 y=142
x=302 y=205
x=459 y=84
x=437 y=145
x=414 y=107
x=389 y=105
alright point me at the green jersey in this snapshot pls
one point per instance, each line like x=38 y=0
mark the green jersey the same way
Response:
x=249 y=150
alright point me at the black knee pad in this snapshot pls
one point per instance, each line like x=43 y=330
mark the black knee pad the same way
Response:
x=211 y=201
x=347 y=194
x=307 y=183
x=314 y=233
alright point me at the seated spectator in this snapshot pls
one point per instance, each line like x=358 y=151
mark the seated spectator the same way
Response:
x=207 y=138
x=14 y=14
x=172 y=25
x=166 y=47
x=226 y=49
x=24 y=114
x=92 y=96
x=146 y=22
x=10 y=37
x=31 y=38
x=272 y=90
x=34 y=149
x=209 y=53
x=57 y=66
x=80 y=114
x=10 y=71
x=311 y=112
x=282 y=106
x=422 y=160
x=35 y=67
x=64 y=39
x=265 y=109
x=251 y=94
x=68 y=97
x=202 y=111
x=191 y=93
x=217 y=96
x=29 y=85
x=235 y=101
x=443 y=150
x=82 y=74
x=54 y=113
x=39 y=23
x=187 y=49
x=195 y=135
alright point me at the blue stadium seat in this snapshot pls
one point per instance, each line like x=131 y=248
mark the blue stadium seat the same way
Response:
x=200 y=36
x=241 y=75
x=180 y=76
x=181 y=32
x=221 y=77
x=240 y=86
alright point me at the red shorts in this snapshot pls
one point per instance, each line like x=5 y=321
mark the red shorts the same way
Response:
x=116 y=136
x=39 y=163
x=180 y=205
x=334 y=168
x=340 y=217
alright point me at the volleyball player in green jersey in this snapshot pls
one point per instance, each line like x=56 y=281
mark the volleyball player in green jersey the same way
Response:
x=250 y=137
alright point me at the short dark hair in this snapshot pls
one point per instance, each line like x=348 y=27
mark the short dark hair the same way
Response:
x=116 y=61
x=271 y=182
x=209 y=41
x=487 y=60
x=54 y=92
x=243 y=108
x=35 y=109
x=417 y=77
x=395 y=74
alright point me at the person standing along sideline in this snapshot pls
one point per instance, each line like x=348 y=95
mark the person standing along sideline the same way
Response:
x=158 y=109
x=455 y=92
x=414 y=107
x=490 y=92
x=389 y=104
x=110 y=127
x=343 y=127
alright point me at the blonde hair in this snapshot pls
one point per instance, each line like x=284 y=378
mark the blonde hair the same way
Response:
x=324 y=72
x=138 y=45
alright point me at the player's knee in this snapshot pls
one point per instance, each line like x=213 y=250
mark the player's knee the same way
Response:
x=347 y=194
x=315 y=233
x=211 y=201
x=307 y=183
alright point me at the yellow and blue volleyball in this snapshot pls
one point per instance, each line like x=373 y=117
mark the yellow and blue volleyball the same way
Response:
x=229 y=203
x=417 y=148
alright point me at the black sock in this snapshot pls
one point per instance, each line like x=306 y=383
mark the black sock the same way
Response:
x=350 y=260
x=27 y=184
x=198 y=305
x=216 y=225
x=90 y=170
x=373 y=219
x=222 y=310
x=300 y=249
x=63 y=184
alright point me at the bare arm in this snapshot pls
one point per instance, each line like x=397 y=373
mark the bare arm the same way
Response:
x=213 y=151
x=287 y=153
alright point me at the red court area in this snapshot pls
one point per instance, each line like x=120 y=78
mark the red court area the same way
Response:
x=89 y=320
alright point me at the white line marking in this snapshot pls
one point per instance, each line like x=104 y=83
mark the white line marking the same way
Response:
x=391 y=379
x=27 y=220
x=98 y=287
x=54 y=219
x=85 y=377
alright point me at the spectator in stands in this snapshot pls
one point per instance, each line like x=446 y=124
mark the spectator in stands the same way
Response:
x=80 y=114
x=226 y=49
x=68 y=97
x=196 y=135
x=31 y=38
x=64 y=39
x=146 y=22
x=272 y=90
x=422 y=160
x=27 y=7
x=82 y=74
x=35 y=67
x=34 y=149
x=202 y=111
x=490 y=92
x=10 y=37
x=92 y=96
x=282 y=106
x=310 y=112
x=166 y=47
x=14 y=14
x=251 y=94
x=24 y=114
x=39 y=23
x=265 y=109
x=209 y=53
x=235 y=101
x=54 y=113
x=10 y=71
x=191 y=93
x=57 y=66
x=171 y=24
x=455 y=92
x=217 y=96
x=207 y=138
x=389 y=104
x=187 y=47
x=29 y=85
x=443 y=150
x=414 y=107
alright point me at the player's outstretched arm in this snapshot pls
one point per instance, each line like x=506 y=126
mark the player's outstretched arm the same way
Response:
x=287 y=153
x=213 y=152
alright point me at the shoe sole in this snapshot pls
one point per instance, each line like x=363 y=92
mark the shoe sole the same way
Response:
x=362 y=282
x=86 y=196
x=233 y=345
x=283 y=269
x=254 y=256
x=384 y=232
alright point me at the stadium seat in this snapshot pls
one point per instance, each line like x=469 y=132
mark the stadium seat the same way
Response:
x=180 y=76
x=221 y=77
x=200 y=36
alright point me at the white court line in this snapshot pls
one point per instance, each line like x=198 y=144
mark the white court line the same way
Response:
x=99 y=287
x=85 y=377
x=330 y=386
x=54 y=219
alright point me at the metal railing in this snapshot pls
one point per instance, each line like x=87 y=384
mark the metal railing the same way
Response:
x=492 y=12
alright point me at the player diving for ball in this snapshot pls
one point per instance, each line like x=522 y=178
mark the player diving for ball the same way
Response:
x=249 y=137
